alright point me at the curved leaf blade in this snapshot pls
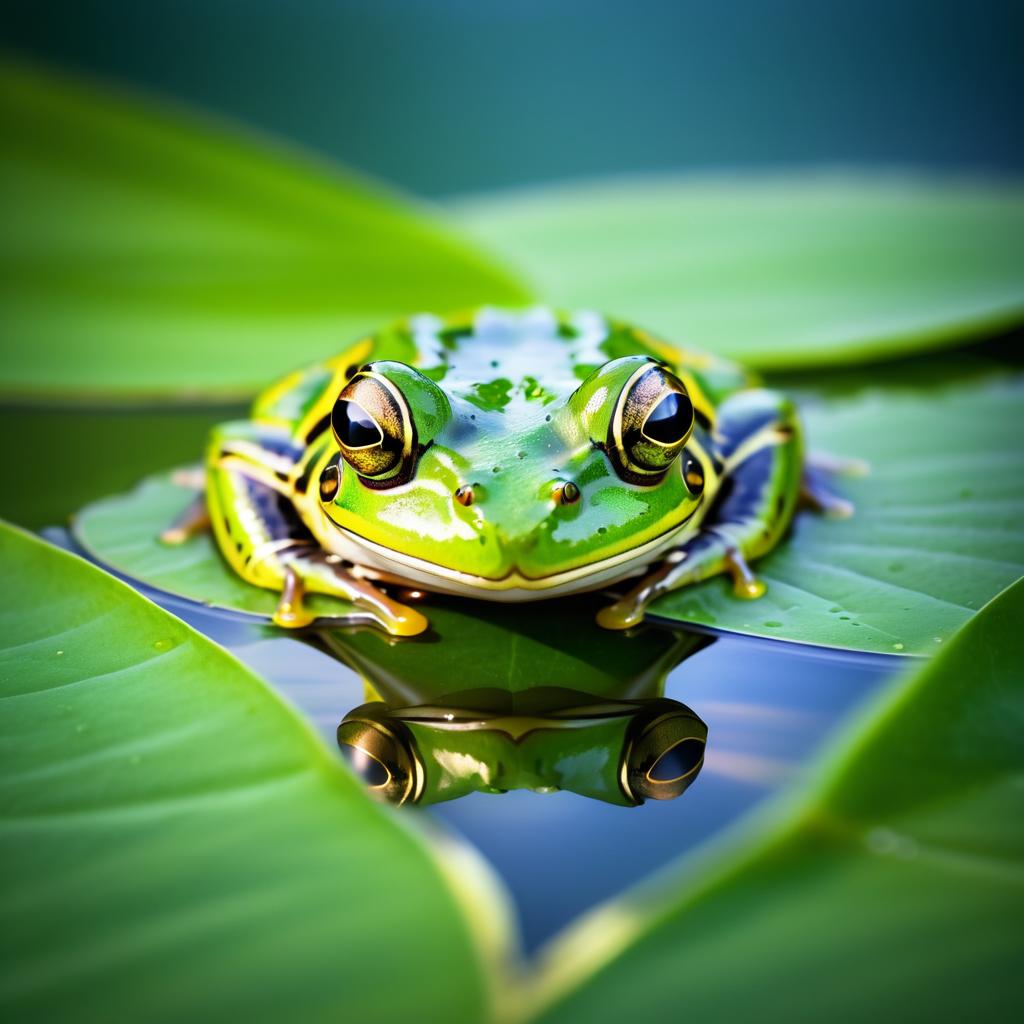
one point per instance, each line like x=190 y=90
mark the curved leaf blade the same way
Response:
x=779 y=272
x=898 y=883
x=150 y=253
x=172 y=834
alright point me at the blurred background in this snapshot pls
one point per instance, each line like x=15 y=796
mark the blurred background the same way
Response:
x=456 y=96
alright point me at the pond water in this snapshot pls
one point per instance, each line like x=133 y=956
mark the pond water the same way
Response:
x=770 y=707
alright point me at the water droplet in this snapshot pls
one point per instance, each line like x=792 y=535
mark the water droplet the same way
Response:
x=897 y=647
x=496 y=469
x=601 y=529
x=846 y=617
x=60 y=652
x=835 y=609
x=937 y=639
x=520 y=455
x=772 y=623
x=162 y=645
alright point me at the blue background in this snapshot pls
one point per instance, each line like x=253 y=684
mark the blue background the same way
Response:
x=444 y=97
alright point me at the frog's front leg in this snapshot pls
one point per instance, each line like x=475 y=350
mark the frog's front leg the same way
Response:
x=264 y=540
x=759 y=442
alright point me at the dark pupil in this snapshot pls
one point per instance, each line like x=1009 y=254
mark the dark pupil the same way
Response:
x=368 y=768
x=678 y=761
x=670 y=420
x=354 y=425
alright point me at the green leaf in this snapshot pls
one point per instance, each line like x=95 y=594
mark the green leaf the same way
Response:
x=778 y=272
x=147 y=252
x=896 y=891
x=64 y=458
x=936 y=532
x=935 y=535
x=176 y=844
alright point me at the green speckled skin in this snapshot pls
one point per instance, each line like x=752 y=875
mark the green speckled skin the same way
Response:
x=511 y=408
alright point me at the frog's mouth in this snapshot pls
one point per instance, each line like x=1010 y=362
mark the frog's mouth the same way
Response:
x=384 y=563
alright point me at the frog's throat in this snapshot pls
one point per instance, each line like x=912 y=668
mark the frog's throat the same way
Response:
x=514 y=586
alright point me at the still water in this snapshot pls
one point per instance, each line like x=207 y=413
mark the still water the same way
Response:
x=769 y=707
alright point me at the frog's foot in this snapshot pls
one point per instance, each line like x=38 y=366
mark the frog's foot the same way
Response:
x=291 y=612
x=744 y=583
x=398 y=619
x=706 y=555
x=195 y=519
x=324 y=574
x=817 y=495
x=623 y=614
x=629 y=610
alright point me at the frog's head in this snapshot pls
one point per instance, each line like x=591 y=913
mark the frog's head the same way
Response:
x=546 y=484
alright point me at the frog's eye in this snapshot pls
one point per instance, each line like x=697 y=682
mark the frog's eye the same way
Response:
x=382 y=752
x=652 y=422
x=373 y=427
x=664 y=752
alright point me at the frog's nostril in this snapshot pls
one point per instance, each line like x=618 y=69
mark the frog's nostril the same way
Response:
x=567 y=493
x=464 y=495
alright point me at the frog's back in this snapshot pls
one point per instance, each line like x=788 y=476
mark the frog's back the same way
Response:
x=491 y=352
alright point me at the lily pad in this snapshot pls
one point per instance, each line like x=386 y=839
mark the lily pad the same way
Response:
x=935 y=535
x=177 y=844
x=791 y=272
x=896 y=883
x=936 y=531
x=148 y=252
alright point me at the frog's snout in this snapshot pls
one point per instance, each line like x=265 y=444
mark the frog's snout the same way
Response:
x=514 y=518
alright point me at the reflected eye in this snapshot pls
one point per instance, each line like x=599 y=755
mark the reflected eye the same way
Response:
x=665 y=752
x=653 y=420
x=374 y=429
x=382 y=753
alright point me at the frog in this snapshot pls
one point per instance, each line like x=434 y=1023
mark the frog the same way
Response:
x=504 y=455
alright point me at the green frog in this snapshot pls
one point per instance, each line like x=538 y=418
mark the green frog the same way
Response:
x=504 y=455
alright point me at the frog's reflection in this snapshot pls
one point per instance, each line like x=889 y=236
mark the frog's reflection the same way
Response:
x=528 y=697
